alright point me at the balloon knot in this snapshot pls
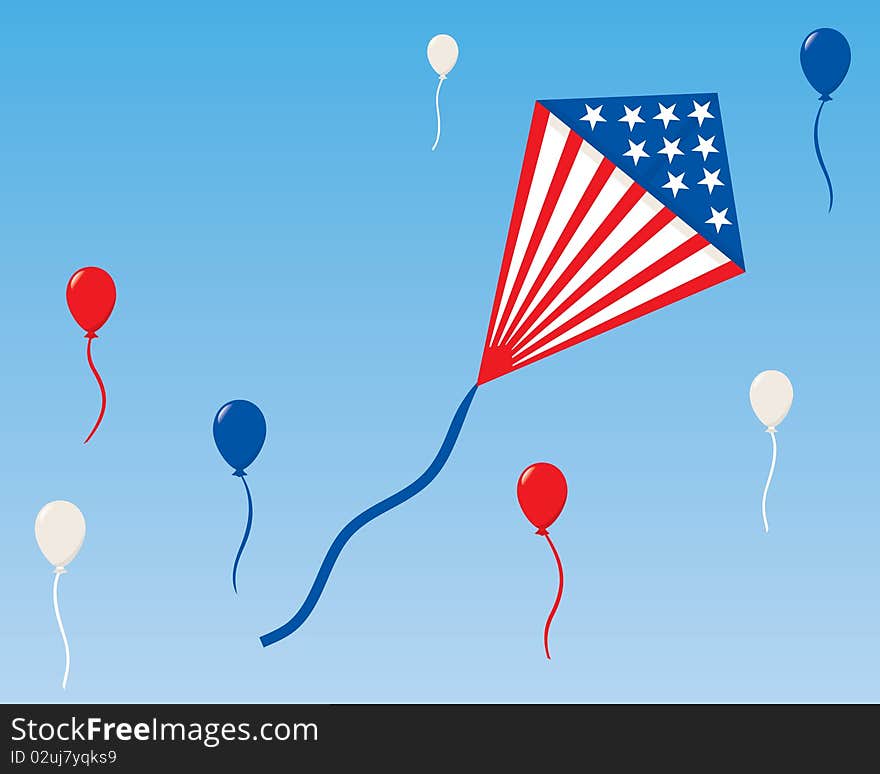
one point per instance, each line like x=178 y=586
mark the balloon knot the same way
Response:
x=825 y=98
x=240 y=473
x=770 y=430
x=91 y=335
x=541 y=531
x=59 y=570
x=443 y=78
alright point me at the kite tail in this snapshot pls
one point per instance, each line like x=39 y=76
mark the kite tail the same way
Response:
x=437 y=106
x=772 y=431
x=367 y=516
x=91 y=336
x=823 y=100
x=59 y=571
x=558 y=593
x=247 y=529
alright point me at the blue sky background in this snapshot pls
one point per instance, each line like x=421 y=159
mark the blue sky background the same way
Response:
x=258 y=179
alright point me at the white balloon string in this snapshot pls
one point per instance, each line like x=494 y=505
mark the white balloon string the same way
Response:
x=58 y=573
x=437 y=105
x=772 y=431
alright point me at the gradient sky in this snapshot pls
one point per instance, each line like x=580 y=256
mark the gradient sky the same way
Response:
x=258 y=179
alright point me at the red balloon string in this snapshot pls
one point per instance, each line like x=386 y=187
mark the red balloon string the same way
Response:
x=558 y=594
x=91 y=336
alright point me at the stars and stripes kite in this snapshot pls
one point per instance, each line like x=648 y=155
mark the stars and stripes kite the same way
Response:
x=624 y=206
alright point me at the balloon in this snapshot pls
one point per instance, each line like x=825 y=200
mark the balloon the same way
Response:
x=771 y=395
x=60 y=529
x=91 y=296
x=825 y=60
x=239 y=432
x=442 y=54
x=541 y=491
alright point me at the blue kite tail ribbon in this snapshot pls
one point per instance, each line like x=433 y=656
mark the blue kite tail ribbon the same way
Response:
x=823 y=99
x=247 y=530
x=367 y=516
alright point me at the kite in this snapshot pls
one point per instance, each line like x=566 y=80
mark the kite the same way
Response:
x=624 y=206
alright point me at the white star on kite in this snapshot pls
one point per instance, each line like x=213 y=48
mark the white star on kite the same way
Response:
x=675 y=184
x=632 y=117
x=700 y=112
x=710 y=179
x=594 y=116
x=666 y=114
x=636 y=151
x=671 y=149
x=719 y=219
x=705 y=146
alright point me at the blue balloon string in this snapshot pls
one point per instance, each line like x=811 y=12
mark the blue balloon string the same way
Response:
x=367 y=516
x=247 y=530
x=819 y=152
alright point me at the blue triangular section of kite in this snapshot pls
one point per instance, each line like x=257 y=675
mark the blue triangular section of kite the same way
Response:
x=612 y=137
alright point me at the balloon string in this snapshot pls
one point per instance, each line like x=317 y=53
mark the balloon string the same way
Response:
x=58 y=574
x=367 y=516
x=437 y=106
x=558 y=595
x=92 y=336
x=819 y=153
x=772 y=432
x=247 y=532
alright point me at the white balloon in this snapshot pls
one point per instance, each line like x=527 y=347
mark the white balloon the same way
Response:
x=442 y=54
x=60 y=529
x=771 y=395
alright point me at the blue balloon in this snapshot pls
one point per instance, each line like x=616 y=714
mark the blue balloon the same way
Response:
x=239 y=432
x=825 y=59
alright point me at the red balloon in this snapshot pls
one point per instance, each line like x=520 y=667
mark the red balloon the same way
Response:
x=541 y=491
x=91 y=296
